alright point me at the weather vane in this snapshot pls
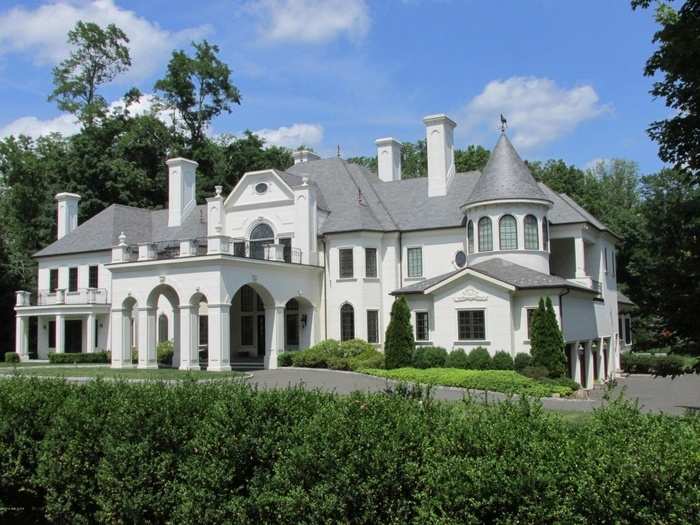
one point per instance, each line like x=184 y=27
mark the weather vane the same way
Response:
x=504 y=123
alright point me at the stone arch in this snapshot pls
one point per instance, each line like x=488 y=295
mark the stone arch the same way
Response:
x=299 y=323
x=251 y=321
x=194 y=330
x=148 y=325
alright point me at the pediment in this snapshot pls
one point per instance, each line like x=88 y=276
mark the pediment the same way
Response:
x=259 y=188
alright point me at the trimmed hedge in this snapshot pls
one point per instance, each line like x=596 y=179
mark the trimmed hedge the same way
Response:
x=457 y=359
x=661 y=365
x=505 y=381
x=502 y=361
x=522 y=361
x=12 y=357
x=479 y=359
x=110 y=452
x=429 y=357
x=348 y=355
x=165 y=350
x=71 y=358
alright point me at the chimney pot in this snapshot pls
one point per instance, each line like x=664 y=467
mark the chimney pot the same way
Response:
x=304 y=155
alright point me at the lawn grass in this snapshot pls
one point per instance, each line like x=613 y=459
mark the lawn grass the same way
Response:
x=106 y=372
x=21 y=365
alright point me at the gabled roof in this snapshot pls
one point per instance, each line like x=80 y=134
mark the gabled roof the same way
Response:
x=505 y=176
x=623 y=299
x=509 y=273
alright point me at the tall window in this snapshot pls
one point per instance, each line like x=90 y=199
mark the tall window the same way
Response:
x=93 y=277
x=532 y=241
x=485 y=235
x=470 y=236
x=292 y=322
x=471 y=325
x=261 y=235
x=73 y=279
x=347 y=322
x=422 y=326
x=52 y=334
x=605 y=262
x=162 y=328
x=370 y=262
x=372 y=326
x=53 y=279
x=247 y=298
x=203 y=330
x=508 y=233
x=415 y=262
x=545 y=234
x=247 y=330
x=346 y=263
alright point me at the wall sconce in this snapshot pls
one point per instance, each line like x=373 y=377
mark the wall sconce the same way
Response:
x=303 y=320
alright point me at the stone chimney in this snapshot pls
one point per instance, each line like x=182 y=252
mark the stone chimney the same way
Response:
x=439 y=135
x=304 y=155
x=388 y=159
x=67 y=213
x=182 y=189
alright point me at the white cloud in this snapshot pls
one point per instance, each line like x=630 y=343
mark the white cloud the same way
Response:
x=292 y=136
x=538 y=110
x=42 y=32
x=594 y=163
x=310 y=21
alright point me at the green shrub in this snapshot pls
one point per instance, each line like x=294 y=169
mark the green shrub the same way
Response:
x=535 y=372
x=354 y=347
x=522 y=361
x=65 y=358
x=546 y=340
x=369 y=359
x=429 y=357
x=284 y=359
x=561 y=381
x=457 y=358
x=502 y=361
x=479 y=359
x=398 y=343
x=11 y=357
x=659 y=365
x=164 y=352
x=134 y=355
x=329 y=347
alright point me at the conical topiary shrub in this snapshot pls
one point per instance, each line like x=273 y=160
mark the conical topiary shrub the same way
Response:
x=546 y=340
x=398 y=343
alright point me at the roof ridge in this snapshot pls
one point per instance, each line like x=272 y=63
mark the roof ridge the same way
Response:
x=376 y=195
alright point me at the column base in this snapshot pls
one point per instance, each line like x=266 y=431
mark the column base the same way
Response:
x=122 y=366
x=147 y=366
x=191 y=366
x=219 y=368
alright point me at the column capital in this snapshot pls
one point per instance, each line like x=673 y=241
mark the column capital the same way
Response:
x=187 y=306
x=145 y=308
x=220 y=306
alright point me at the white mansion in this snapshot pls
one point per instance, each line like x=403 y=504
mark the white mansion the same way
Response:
x=321 y=250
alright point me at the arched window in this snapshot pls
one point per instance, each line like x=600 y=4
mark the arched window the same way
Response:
x=508 y=233
x=347 y=322
x=485 y=235
x=470 y=236
x=532 y=241
x=545 y=234
x=162 y=328
x=261 y=235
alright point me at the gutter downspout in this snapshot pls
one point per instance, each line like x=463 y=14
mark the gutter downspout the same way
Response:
x=326 y=265
x=400 y=259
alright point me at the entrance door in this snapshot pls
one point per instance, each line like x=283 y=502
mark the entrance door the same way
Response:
x=261 y=335
x=74 y=336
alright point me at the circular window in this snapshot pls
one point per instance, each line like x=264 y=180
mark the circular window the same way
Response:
x=460 y=259
x=261 y=187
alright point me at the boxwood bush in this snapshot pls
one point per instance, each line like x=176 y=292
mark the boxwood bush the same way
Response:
x=480 y=359
x=662 y=365
x=429 y=357
x=521 y=361
x=457 y=358
x=348 y=355
x=68 y=358
x=165 y=350
x=11 y=357
x=502 y=361
x=108 y=452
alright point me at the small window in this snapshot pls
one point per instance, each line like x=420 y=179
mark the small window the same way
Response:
x=347 y=322
x=94 y=277
x=247 y=330
x=471 y=325
x=261 y=187
x=532 y=241
x=372 y=326
x=346 y=263
x=422 y=326
x=485 y=235
x=415 y=262
x=370 y=262
x=545 y=234
x=605 y=262
x=508 y=233
x=470 y=236
x=460 y=259
x=52 y=334
x=203 y=330
x=530 y=317
x=53 y=279
x=73 y=279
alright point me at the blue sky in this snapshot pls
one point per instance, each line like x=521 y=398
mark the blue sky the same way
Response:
x=567 y=75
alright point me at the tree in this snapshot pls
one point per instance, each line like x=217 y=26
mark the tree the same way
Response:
x=546 y=340
x=474 y=158
x=197 y=89
x=99 y=55
x=677 y=61
x=399 y=344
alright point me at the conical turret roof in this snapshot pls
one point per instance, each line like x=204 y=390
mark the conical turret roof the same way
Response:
x=505 y=176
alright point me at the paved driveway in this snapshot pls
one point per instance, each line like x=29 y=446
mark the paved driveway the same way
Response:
x=653 y=394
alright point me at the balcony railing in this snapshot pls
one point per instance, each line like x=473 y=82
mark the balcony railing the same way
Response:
x=79 y=296
x=263 y=250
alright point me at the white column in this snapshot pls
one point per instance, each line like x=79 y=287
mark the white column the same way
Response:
x=90 y=333
x=219 y=338
x=274 y=325
x=121 y=351
x=588 y=360
x=60 y=334
x=575 y=364
x=147 y=338
x=580 y=257
x=22 y=337
x=189 y=347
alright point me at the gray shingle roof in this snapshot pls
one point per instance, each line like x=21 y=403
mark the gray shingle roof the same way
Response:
x=623 y=299
x=519 y=276
x=505 y=177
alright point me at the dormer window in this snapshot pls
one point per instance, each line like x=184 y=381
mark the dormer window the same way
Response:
x=261 y=188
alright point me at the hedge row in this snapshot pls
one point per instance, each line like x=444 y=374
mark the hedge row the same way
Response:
x=69 y=358
x=224 y=453
x=348 y=355
x=660 y=365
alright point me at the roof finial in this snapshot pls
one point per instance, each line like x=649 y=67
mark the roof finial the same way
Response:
x=338 y=150
x=504 y=123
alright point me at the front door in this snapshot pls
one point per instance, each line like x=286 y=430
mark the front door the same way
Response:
x=261 y=335
x=74 y=336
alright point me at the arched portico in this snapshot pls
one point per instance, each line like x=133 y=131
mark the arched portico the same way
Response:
x=190 y=327
x=148 y=328
x=299 y=323
x=123 y=333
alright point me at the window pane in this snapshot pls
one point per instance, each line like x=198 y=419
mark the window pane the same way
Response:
x=545 y=234
x=530 y=315
x=247 y=299
x=470 y=325
x=422 y=328
x=532 y=241
x=53 y=280
x=247 y=330
x=203 y=330
x=415 y=262
x=52 y=334
x=72 y=279
x=287 y=250
x=485 y=235
x=370 y=262
x=346 y=263
x=293 y=329
x=372 y=326
x=470 y=236
x=93 y=277
x=347 y=322
x=508 y=233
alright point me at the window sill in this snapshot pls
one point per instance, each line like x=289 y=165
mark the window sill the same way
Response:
x=424 y=343
x=346 y=279
x=480 y=342
x=526 y=342
x=371 y=279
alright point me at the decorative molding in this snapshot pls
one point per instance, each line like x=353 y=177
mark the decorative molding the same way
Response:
x=470 y=294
